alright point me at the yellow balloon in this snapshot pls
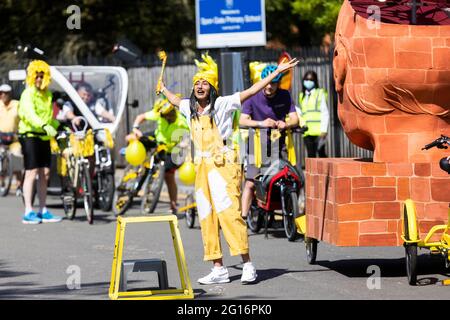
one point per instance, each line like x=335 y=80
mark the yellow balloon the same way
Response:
x=135 y=153
x=187 y=173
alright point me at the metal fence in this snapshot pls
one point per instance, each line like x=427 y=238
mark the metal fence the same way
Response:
x=144 y=72
x=179 y=75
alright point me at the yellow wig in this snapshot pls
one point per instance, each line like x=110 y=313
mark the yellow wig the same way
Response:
x=35 y=67
x=255 y=70
x=208 y=71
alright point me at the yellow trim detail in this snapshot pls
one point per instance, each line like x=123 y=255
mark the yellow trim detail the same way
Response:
x=185 y=292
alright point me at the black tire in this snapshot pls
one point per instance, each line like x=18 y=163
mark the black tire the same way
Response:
x=190 y=213
x=411 y=263
x=124 y=193
x=105 y=194
x=255 y=219
x=152 y=189
x=289 y=214
x=69 y=197
x=311 y=250
x=88 y=199
x=6 y=173
x=122 y=201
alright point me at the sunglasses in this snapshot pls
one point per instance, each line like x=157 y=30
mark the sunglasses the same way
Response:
x=39 y=77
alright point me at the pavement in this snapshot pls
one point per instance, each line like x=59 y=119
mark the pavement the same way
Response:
x=73 y=260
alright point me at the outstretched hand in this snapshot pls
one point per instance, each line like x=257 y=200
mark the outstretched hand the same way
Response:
x=283 y=67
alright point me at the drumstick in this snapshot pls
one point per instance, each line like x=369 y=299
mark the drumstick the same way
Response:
x=163 y=57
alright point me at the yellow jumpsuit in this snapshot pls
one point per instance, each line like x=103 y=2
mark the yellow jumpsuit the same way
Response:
x=217 y=190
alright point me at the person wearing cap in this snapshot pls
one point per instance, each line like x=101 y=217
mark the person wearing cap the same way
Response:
x=8 y=127
x=171 y=127
x=217 y=167
x=270 y=108
x=36 y=127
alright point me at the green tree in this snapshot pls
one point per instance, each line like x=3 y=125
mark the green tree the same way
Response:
x=320 y=14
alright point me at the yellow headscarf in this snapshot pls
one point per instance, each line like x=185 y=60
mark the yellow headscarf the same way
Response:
x=38 y=66
x=256 y=68
x=208 y=71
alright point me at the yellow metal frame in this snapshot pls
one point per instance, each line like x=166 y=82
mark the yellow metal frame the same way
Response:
x=185 y=292
x=443 y=245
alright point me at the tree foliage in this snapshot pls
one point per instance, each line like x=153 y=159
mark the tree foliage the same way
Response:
x=150 y=24
x=321 y=15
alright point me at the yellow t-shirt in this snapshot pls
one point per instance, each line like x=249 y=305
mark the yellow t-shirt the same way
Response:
x=9 y=117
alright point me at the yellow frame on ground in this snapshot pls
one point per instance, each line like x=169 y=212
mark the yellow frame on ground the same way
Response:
x=186 y=291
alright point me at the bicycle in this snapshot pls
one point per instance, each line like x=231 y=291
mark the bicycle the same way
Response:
x=6 y=165
x=411 y=236
x=149 y=175
x=279 y=187
x=77 y=181
x=104 y=169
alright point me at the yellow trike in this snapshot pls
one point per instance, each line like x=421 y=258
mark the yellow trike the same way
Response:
x=411 y=235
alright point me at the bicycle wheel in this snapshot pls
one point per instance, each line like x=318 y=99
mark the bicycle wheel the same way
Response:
x=105 y=192
x=289 y=214
x=311 y=250
x=124 y=193
x=88 y=201
x=69 y=197
x=190 y=213
x=411 y=263
x=255 y=219
x=152 y=189
x=6 y=174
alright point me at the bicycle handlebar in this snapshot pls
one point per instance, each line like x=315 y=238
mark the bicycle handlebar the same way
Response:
x=74 y=126
x=296 y=129
x=440 y=143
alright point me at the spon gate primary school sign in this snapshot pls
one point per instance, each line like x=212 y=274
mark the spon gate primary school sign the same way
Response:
x=230 y=23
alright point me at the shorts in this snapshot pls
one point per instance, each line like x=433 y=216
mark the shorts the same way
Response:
x=169 y=165
x=36 y=153
x=148 y=143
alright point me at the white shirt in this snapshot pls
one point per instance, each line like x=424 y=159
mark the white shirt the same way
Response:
x=98 y=108
x=223 y=117
x=324 y=114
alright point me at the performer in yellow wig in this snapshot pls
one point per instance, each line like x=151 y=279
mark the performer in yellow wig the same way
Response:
x=218 y=173
x=36 y=126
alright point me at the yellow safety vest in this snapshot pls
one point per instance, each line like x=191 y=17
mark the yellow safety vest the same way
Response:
x=311 y=110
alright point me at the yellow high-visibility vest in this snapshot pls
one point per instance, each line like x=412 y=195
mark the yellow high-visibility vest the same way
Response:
x=311 y=110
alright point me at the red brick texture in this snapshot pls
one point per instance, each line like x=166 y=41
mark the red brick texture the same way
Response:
x=357 y=203
x=394 y=87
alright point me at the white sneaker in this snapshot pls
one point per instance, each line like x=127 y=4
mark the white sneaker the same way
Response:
x=248 y=273
x=217 y=275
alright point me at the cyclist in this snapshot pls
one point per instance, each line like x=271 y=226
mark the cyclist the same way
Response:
x=269 y=108
x=8 y=127
x=96 y=106
x=171 y=127
x=217 y=182
x=36 y=126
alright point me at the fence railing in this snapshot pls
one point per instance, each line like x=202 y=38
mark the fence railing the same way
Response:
x=143 y=75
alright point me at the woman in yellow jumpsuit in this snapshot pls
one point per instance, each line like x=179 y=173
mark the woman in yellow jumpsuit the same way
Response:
x=217 y=183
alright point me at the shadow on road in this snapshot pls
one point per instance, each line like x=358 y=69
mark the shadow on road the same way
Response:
x=393 y=268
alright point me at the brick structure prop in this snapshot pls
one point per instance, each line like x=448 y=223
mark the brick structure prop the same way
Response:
x=353 y=202
x=393 y=85
x=393 y=79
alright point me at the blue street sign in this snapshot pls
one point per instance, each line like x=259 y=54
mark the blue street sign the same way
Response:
x=230 y=23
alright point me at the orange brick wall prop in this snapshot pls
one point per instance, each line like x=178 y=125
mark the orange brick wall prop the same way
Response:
x=351 y=202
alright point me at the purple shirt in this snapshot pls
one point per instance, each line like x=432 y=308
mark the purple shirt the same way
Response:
x=259 y=107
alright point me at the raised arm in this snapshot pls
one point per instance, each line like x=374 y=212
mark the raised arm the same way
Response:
x=172 y=97
x=254 y=89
